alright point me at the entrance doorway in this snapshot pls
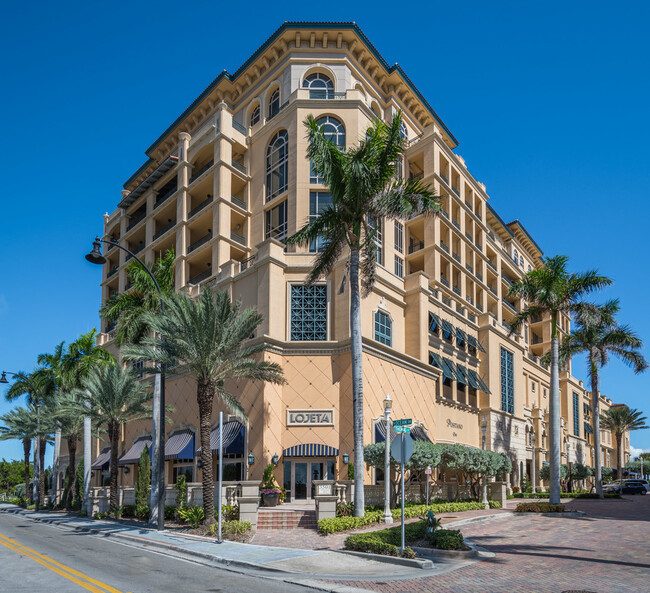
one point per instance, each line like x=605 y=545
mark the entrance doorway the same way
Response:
x=300 y=474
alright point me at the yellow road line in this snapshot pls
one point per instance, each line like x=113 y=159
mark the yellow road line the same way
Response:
x=57 y=567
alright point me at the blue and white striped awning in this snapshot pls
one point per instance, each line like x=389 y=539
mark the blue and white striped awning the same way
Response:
x=310 y=450
x=133 y=454
x=180 y=445
x=102 y=459
x=232 y=431
x=418 y=433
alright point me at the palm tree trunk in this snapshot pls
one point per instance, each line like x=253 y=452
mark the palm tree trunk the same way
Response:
x=205 y=399
x=596 y=412
x=356 y=351
x=619 y=457
x=114 y=432
x=41 y=475
x=72 y=464
x=554 y=413
x=27 y=447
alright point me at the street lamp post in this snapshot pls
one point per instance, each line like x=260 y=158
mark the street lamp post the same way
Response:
x=388 y=517
x=534 y=472
x=485 y=501
x=36 y=479
x=157 y=516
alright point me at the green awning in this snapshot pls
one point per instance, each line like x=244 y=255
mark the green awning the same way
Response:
x=474 y=343
x=460 y=336
x=448 y=369
x=481 y=384
x=447 y=328
x=435 y=360
x=471 y=376
x=434 y=323
x=461 y=373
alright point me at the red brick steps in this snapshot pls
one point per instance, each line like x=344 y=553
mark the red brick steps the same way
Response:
x=273 y=519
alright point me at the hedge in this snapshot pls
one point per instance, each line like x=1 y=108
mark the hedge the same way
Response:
x=234 y=527
x=387 y=541
x=564 y=495
x=539 y=507
x=327 y=526
x=446 y=539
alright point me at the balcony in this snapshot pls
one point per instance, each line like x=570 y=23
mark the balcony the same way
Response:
x=444 y=281
x=238 y=238
x=239 y=167
x=446 y=300
x=494 y=292
x=469 y=268
x=489 y=263
x=455 y=190
x=469 y=237
x=478 y=246
x=112 y=272
x=246 y=263
x=200 y=172
x=444 y=178
x=455 y=223
x=416 y=246
x=164 y=197
x=479 y=276
x=506 y=280
x=200 y=277
x=471 y=317
x=135 y=220
x=478 y=214
x=510 y=306
x=456 y=290
x=163 y=230
x=135 y=251
x=237 y=202
x=479 y=307
x=200 y=207
x=444 y=245
x=455 y=256
x=202 y=241
x=239 y=127
x=469 y=206
x=417 y=176
x=444 y=213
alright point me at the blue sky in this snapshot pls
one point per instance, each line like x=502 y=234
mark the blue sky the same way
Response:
x=548 y=101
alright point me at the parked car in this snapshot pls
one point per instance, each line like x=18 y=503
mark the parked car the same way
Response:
x=634 y=487
x=613 y=488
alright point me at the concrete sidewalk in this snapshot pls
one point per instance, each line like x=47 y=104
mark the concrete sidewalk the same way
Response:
x=290 y=564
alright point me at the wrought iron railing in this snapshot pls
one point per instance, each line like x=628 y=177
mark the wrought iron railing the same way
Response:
x=202 y=241
x=200 y=207
x=200 y=171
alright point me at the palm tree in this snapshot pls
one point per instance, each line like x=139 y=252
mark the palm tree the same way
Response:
x=364 y=189
x=552 y=289
x=599 y=335
x=83 y=358
x=20 y=424
x=127 y=308
x=620 y=419
x=209 y=336
x=112 y=396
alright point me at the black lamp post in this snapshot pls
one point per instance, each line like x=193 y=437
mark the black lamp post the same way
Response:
x=36 y=488
x=157 y=516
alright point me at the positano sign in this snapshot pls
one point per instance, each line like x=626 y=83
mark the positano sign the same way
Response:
x=310 y=417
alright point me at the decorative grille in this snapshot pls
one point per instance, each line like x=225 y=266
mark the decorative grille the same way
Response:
x=309 y=312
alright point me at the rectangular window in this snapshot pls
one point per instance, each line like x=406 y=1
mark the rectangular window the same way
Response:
x=276 y=222
x=379 y=241
x=399 y=267
x=308 y=312
x=399 y=237
x=507 y=382
x=383 y=328
x=576 y=414
x=318 y=201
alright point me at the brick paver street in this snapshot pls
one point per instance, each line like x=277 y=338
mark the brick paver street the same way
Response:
x=607 y=551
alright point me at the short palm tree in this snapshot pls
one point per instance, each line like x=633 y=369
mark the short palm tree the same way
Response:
x=598 y=335
x=20 y=424
x=552 y=289
x=112 y=396
x=126 y=308
x=209 y=336
x=620 y=419
x=364 y=188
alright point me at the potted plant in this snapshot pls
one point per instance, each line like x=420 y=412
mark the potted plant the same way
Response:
x=270 y=489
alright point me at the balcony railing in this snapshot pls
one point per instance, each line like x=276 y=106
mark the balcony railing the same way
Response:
x=419 y=175
x=135 y=220
x=416 y=246
x=238 y=202
x=510 y=306
x=238 y=238
x=112 y=272
x=135 y=251
x=469 y=299
x=506 y=280
x=163 y=230
x=445 y=178
x=471 y=239
x=202 y=241
x=469 y=268
x=246 y=263
x=239 y=167
x=110 y=327
x=239 y=127
x=479 y=276
x=455 y=190
x=168 y=194
x=446 y=300
x=478 y=214
x=444 y=213
x=200 y=172
x=479 y=307
x=535 y=339
x=489 y=263
x=200 y=207
x=444 y=245
x=455 y=223
x=471 y=317
x=444 y=281
x=456 y=290
x=455 y=256
x=200 y=277
x=469 y=206
x=478 y=246
x=494 y=292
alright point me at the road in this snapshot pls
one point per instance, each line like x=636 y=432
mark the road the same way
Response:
x=38 y=557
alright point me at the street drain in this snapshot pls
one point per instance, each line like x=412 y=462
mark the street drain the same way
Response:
x=578 y=591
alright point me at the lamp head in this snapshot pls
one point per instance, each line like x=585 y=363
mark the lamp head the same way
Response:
x=95 y=256
x=388 y=404
x=275 y=460
x=346 y=458
x=251 y=459
x=3 y=379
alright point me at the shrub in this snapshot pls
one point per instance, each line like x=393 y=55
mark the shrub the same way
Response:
x=539 y=507
x=446 y=539
x=141 y=511
x=230 y=528
x=386 y=541
x=181 y=492
x=128 y=510
x=344 y=509
x=229 y=512
x=170 y=512
x=143 y=483
x=192 y=515
x=101 y=515
x=327 y=526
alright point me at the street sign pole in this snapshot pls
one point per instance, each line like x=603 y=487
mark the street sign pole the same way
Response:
x=402 y=460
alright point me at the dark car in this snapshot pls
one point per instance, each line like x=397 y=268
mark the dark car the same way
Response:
x=632 y=487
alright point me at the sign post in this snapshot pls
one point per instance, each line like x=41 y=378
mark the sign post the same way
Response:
x=401 y=450
x=427 y=472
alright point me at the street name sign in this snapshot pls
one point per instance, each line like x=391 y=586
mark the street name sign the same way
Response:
x=404 y=429
x=403 y=422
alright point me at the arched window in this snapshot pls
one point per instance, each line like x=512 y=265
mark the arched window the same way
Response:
x=335 y=132
x=403 y=131
x=319 y=85
x=383 y=328
x=277 y=165
x=255 y=115
x=274 y=103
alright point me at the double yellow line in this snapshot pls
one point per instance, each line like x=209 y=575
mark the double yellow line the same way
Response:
x=71 y=574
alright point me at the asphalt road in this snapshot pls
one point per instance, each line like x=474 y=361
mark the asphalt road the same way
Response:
x=37 y=557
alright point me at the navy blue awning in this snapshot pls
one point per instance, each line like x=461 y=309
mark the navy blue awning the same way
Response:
x=233 y=439
x=103 y=459
x=133 y=454
x=180 y=446
x=310 y=450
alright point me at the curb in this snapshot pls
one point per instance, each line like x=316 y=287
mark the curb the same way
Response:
x=412 y=562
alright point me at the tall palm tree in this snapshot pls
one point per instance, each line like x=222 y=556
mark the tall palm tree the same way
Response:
x=83 y=358
x=599 y=335
x=126 y=309
x=209 y=336
x=20 y=424
x=620 y=419
x=365 y=189
x=552 y=289
x=112 y=396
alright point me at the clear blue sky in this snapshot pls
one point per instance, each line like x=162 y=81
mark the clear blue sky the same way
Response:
x=549 y=102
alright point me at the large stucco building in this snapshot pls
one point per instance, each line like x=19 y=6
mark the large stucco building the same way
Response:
x=229 y=179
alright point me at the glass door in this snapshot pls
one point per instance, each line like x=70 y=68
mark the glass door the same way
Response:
x=316 y=474
x=300 y=481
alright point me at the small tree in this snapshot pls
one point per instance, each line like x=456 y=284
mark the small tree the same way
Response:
x=143 y=483
x=78 y=490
